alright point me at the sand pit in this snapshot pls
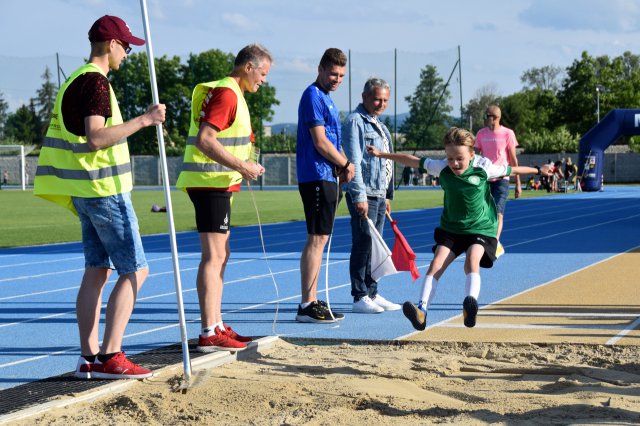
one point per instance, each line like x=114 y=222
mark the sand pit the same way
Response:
x=388 y=383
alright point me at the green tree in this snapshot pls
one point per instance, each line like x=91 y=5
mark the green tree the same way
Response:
x=45 y=100
x=530 y=111
x=261 y=108
x=210 y=65
x=24 y=126
x=4 y=108
x=545 y=141
x=544 y=78
x=429 y=111
x=578 y=94
x=476 y=107
x=133 y=89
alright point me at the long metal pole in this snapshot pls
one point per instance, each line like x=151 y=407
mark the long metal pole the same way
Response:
x=167 y=196
x=350 y=81
x=460 y=80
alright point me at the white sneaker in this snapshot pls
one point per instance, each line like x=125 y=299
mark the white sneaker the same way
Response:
x=366 y=306
x=385 y=304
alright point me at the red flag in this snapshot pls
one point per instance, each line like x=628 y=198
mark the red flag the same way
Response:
x=402 y=255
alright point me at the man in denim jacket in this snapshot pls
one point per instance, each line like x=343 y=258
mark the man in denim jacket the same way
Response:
x=369 y=193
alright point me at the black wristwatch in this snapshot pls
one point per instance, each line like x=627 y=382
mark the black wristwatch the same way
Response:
x=538 y=169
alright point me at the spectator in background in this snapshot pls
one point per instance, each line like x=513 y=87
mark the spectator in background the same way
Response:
x=369 y=193
x=558 y=176
x=320 y=161
x=570 y=171
x=498 y=144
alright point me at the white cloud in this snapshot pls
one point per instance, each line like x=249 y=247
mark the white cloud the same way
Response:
x=237 y=21
x=612 y=16
x=297 y=65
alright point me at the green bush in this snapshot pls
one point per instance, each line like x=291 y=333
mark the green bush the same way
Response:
x=558 y=140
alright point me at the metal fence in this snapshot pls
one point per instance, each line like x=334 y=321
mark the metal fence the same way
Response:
x=281 y=168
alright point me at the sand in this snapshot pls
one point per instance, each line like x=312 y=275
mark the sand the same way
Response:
x=388 y=383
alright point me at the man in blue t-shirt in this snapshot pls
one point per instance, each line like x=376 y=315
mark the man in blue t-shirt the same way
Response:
x=319 y=161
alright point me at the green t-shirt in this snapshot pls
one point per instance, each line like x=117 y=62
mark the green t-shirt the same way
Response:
x=468 y=205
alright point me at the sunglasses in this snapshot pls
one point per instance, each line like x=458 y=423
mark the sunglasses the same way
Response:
x=125 y=46
x=491 y=116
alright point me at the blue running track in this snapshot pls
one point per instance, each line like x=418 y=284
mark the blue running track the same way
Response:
x=545 y=238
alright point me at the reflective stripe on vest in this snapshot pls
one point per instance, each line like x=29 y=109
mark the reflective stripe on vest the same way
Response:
x=77 y=148
x=84 y=174
x=233 y=141
x=200 y=171
x=68 y=167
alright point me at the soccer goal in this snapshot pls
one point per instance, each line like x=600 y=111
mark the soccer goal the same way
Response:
x=13 y=165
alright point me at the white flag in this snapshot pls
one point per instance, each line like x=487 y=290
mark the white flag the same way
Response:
x=381 y=263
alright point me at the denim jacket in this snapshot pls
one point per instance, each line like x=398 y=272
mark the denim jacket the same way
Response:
x=358 y=131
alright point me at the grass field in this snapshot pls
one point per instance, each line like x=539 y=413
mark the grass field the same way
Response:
x=29 y=220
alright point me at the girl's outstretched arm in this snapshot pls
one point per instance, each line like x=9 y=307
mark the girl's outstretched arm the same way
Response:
x=545 y=170
x=406 y=159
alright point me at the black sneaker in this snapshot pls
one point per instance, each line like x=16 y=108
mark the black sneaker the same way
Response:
x=469 y=311
x=417 y=316
x=315 y=312
x=338 y=316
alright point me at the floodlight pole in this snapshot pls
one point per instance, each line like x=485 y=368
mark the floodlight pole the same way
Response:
x=167 y=195
x=23 y=166
x=598 y=102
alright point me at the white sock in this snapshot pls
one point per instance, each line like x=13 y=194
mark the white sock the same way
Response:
x=304 y=305
x=211 y=329
x=429 y=287
x=208 y=331
x=472 y=285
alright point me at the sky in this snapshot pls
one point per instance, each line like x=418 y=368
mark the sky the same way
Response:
x=498 y=39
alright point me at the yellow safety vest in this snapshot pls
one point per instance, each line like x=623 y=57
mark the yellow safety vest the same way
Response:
x=200 y=171
x=67 y=167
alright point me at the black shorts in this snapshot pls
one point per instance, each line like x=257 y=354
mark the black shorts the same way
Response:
x=213 y=210
x=459 y=243
x=320 y=199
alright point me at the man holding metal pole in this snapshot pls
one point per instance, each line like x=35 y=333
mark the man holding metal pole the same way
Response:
x=216 y=159
x=84 y=165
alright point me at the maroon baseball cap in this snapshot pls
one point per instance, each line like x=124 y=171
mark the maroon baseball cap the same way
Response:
x=112 y=28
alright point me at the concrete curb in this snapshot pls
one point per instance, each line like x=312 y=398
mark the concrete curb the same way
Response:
x=212 y=360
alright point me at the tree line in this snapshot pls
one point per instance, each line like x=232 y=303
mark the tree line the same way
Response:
x=554 y=108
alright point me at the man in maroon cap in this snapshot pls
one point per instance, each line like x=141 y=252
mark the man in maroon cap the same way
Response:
x=84 y=165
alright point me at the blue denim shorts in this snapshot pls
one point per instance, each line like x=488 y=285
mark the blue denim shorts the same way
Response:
x=110 y=233
x=500 y=192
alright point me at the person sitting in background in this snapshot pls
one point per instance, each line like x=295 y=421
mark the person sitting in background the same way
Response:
x=570 y=171
x=558 y=176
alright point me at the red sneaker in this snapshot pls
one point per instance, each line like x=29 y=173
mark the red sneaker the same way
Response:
x=83 y=368
x=119 y=367
x=221 y=341
x=236 y=336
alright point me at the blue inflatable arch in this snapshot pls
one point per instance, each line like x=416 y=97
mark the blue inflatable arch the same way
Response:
x=618 y=122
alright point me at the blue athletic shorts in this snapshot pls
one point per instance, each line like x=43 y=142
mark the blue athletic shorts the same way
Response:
x=500 y=193
x=110 y=232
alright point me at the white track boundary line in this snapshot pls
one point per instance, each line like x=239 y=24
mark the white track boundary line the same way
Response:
x=482 y=309
x=165 y=327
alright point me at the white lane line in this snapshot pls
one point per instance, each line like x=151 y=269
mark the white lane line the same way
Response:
x=624 y=332
x=165 y=327
x=491 y=313
x=497 y=302
x=156 y=296
x=536 y=327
